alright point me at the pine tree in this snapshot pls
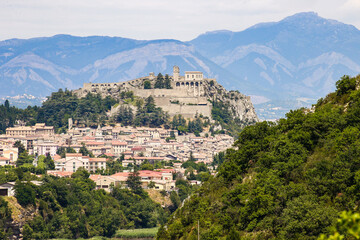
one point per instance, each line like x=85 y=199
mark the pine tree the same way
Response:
x=147 y=85
x=49 y=162
x=167 y=82
x=134 y=183
x=159 y=83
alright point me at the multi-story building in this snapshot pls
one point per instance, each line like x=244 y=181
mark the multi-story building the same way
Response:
x=47 y=148
x=96 y=163
x=38 y=129
x=118 y=148
x=9 y=155
x=73 y=161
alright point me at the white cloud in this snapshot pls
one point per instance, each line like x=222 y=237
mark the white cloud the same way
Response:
x=145 y=19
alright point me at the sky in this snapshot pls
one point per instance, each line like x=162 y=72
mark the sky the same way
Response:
x=156 y=19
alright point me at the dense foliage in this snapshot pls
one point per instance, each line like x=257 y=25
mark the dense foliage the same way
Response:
x=62 y=105
x=57 y=109
x=72 y=208
x=9 y=115
x=347 y=227
x=284 y=180
x=222 y=114
x=5 y=218
x=150 y=115
x=195 y=126
x=162 y=82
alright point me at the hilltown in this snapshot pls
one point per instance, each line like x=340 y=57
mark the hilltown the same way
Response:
x=134 y=146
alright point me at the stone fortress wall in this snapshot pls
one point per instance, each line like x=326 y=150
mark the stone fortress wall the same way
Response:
x=187 y=96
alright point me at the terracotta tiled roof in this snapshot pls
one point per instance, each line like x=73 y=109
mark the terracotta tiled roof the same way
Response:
x=94 y=143
x=56 y=157
x=149 y=173
x=60 y=173
x=73 y=155
x=95 y=177
x=97 y=159
x=118 y=143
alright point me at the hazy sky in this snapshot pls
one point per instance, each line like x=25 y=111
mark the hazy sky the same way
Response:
x=153 y=19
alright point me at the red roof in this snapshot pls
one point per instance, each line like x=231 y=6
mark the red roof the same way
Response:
x=59 y=173
x=166 y=170
x=149 y=173
x=95 y=177
x=118 y=143
x=88 y=138
x=137 y=148
x=73 y=155
x=94 y=143
x=97 y=159
x=144 y=158
x=56 y=157
x=122 y=174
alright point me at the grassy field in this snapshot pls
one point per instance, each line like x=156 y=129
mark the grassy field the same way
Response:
x=137 y=233
x=144 y=233
x=94 y=238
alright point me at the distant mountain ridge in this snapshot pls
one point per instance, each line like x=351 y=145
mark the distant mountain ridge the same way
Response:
x=282 y=64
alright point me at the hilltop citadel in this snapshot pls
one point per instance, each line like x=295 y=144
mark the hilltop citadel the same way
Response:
x=189 y=95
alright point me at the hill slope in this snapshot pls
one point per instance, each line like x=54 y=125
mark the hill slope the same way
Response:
x=282 y=181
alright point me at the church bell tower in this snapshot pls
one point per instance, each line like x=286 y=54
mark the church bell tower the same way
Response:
x=176 y=73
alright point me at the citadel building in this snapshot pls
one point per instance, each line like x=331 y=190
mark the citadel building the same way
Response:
x=190 y=95
x=187 y=97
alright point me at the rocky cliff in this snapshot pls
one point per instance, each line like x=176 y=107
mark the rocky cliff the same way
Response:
x=239 y=104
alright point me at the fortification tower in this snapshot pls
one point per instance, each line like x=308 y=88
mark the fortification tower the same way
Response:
x=176 y=73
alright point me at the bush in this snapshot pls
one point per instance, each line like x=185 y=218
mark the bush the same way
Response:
x=25 y=193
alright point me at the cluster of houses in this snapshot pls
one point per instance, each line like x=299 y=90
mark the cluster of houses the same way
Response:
x=134 y=145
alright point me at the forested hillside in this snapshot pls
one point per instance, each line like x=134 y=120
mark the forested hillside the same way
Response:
x=55 y=111
x=71 y=207
x=284 y=180
x=92 y=110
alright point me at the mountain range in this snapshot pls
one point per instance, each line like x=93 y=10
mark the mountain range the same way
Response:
x=282 y=65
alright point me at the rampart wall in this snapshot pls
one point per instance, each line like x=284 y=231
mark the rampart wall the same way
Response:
x=188 y=111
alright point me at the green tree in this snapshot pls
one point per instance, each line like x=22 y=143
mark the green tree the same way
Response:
x=150 y=104
x=27 y=232
x=25 y=193
x=5 y=218
x=147 y=85
x=19 y=146
x=151 y=184
x=175 y=200
x=345 y=84
x=49 y=162
x=159 y=82
x=134 y=183
x=167 y=82
x=347 y=227
x=24 y=158
x=162 y=234
x=147 y=166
